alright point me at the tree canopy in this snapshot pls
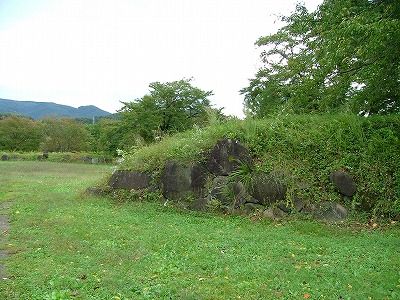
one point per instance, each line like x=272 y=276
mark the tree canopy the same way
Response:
x=19 y=134
x=63 y=135
x=168 y=108
x=342 y=57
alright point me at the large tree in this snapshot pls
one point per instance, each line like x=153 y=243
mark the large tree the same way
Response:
x=19 y=134
x=342 y=57
x=64 y=135
x=168 y=108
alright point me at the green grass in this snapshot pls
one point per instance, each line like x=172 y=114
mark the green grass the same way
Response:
x=70 y=157
x=68 y=245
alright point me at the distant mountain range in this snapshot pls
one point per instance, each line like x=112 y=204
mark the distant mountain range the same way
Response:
x=37 y=110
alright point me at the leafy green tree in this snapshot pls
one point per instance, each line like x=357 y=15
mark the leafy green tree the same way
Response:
x=110 y=135
x=64 y=135
x=169 y=107
x=19 y=134
x=342 y=57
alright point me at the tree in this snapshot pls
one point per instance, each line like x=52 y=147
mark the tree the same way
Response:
x=169 y=107
x=342 y=57
x=19 y=134
x=110 y=135
x=64 y=135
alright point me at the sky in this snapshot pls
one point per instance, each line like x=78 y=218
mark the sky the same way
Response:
x=102 y=52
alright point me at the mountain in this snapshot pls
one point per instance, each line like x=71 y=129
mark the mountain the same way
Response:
x=37 y=110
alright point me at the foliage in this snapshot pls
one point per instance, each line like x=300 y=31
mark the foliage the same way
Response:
x=19 y=134
x=82 y=247
x=169 y=108
x=342 y=57
x=189 y=146
x=308 y=147
x=110 y=135
x=64 y=135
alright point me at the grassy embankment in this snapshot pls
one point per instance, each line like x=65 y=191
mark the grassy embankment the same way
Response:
x=306 y=149
x=67 y=245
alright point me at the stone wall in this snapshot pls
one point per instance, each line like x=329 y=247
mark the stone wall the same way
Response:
x=226 y=183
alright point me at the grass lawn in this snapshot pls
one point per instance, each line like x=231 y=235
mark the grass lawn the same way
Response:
x=67 y=245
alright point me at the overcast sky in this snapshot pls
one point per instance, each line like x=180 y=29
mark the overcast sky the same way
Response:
x=101 y=52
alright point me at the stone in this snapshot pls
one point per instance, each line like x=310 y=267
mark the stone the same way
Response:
x=86 y=159
x=198 y=176
x=175 y=181
x=220 y=181
x=239 y=193
x=285 y=208
x=298 y=206
x=251 y=208
x=43 y=156
x=122 y=179
x=268 y=188
x=200 y=204
x=343 y=182
x=273 y=213
x=268 y=213
x=330 y=212
x=5 y=157
x=179 y=182
x=226 y=156
x=220 y=190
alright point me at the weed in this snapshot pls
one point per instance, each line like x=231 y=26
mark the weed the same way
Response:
x=243 y=174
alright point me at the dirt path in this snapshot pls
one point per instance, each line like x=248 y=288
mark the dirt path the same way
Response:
x=4 y=227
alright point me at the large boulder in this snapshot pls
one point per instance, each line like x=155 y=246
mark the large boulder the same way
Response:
x=268 y=188
x=343 y=182
x=179 y=182
x=226 y=156
x=198 y=179
x=122 y=179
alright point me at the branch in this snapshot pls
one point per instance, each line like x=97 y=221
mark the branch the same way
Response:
x=355 y=69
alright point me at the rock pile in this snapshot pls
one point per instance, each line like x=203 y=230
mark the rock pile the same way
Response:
x=226 y=182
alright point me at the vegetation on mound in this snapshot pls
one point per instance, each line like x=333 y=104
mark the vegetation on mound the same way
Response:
x=308 y=147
